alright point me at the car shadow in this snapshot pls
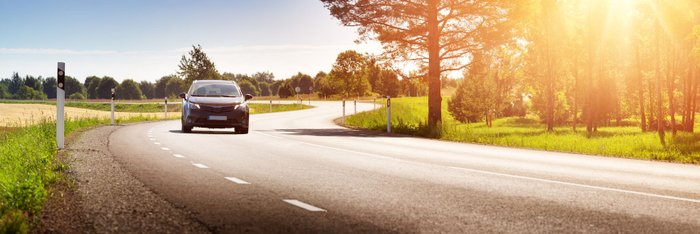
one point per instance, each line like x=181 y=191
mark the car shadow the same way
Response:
x=336 y=132
x=205 y=132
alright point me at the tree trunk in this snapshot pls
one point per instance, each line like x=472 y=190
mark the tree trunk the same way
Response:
x=640 y=81
x=434 y=96
x=670 y=80
x=659 y=98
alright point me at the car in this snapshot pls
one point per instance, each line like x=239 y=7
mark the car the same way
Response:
x=215 y=104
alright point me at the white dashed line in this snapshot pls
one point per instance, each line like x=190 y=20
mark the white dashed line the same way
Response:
x=236 y=180
x=199 y=165
x=152 y=139
x=178 y=155
x=304 y=205
x=164 y=148
x=157 y=143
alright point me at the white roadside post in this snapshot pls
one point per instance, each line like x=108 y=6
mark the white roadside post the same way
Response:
x=166 y=108
x=270 y=105
x=60 y=102
x=343 y=111
x=112 y=105
x=388 y=114
x=311 y=91
x=355 y=103
x=374 y=104
x=297 y=90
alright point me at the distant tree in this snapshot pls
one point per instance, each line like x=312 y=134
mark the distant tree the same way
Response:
x=265 y=89
x=49 y=86
x=324 y=86
x=248 y=88
x=89 y=79
x=72 y=86
x=4 y=94
x=174 y=87
x=267 y=77
x=129 y=90
x=160 y=85
x=467 y=104
x=285 y=90
x=33 y=82
x=104 y=90
x=197 y=66
x=147 y=89
x=28 y=93
x=16 y=82
x=349 y=73
x=275 y=86
x=77 y=96
x=92 y=88
x=303 y=81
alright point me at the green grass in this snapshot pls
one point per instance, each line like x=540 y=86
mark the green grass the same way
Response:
x=409 y=117
x=28 y=165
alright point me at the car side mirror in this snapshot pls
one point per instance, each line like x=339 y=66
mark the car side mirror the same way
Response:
x=248 y=97
x=183 y=95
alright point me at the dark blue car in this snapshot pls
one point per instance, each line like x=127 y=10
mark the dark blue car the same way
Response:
x=215 y=104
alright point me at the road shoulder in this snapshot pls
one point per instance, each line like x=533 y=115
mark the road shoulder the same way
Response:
x=99 y=195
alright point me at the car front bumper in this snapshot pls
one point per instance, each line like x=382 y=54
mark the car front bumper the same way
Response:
x=203 y=118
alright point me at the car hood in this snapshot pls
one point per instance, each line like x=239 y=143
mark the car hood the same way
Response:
x=216 y=100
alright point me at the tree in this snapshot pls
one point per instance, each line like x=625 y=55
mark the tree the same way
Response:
x=49 y=86
x=267 y=77
x=303 y=81
x=4 y=94
x=349 y=73
x=15 y=83
x=104 y=90
x=147 y=89
x=92 y=88
x=160 y=86
x=197 y=66
x=77 y=96
x=324 y=86
x=248 y=88
x=28 y=93
x=265 y=89
x=275 y=86
x=72 y=86
x=439 y=33
x=285 y=90
x=174 y=87
x=129 y=90
x=467 y=104
x=89 y=79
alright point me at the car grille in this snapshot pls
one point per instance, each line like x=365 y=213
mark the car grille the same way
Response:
x=216 y=109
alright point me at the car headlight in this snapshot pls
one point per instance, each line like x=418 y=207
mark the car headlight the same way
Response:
x=194 y=106
x=241 y=106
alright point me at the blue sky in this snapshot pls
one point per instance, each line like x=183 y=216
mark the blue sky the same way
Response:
x=144 y=40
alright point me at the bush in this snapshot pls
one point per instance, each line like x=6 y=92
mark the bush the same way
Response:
x=77 y=96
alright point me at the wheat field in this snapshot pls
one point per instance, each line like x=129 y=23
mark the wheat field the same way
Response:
x=18 y=115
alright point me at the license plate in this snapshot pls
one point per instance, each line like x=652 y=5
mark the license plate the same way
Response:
x=217 y=117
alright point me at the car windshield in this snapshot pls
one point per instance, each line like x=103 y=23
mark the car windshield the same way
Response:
x=214 y=90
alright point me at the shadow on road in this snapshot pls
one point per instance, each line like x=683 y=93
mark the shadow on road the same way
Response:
x=205 y=132
x=336 y=132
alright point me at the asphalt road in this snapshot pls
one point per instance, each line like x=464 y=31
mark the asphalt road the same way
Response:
x=299 y=172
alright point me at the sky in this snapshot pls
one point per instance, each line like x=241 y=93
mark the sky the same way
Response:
x=144 y=40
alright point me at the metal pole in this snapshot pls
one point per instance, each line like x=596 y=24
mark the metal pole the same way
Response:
x=60 y=102
x=166 y=108
x=343 y=111
x=270 y=105
x=355 y=103
x=388 y=114
x=112 y=108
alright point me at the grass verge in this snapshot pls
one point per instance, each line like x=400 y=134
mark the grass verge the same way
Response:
x=409 y=117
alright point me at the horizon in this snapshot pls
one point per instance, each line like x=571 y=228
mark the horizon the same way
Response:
x=239 y=37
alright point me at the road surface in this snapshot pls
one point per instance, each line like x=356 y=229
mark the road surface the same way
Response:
x=299 y=172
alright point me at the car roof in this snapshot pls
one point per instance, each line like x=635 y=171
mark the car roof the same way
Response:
x=213 y=81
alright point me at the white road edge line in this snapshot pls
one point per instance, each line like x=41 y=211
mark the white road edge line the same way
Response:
x=236 y=180
x=511 y=175
x=303 y=205
x=178 y=155
x=199 y=165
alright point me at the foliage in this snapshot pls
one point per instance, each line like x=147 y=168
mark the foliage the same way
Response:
x=93 y=83
x=468 y=105
x=174 y=87
x=160 y=85
x=303 y=81
x=104 y=89
x=265 y=89
x=349 y=74
x=248 y=88
x=129 y=90
x=73 y=86
x=148 y=89
x=77 y=96
x=49 y=87
x=197 y=66
x=285 y=90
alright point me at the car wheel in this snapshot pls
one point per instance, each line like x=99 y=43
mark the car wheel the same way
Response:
x=186 y=128
x=241 y=130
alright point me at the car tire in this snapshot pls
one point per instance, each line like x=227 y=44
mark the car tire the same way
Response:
x=186 y=128
x=241 y=130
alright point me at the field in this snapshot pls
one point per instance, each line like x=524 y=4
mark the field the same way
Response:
x=409 y=117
